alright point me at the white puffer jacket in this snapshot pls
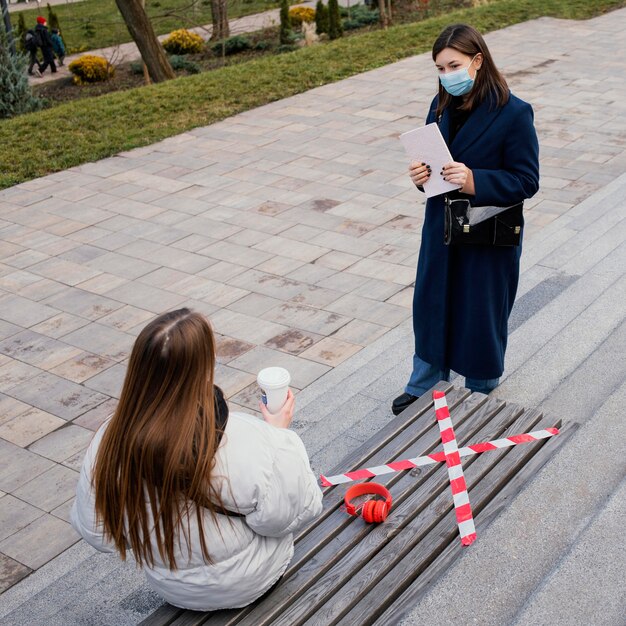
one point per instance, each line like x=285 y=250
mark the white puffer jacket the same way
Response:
x=270 y=483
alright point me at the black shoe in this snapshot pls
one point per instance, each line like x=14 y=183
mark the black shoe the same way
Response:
x=402 y=402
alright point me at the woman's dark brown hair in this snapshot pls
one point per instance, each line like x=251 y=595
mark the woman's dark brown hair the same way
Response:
x=157 y=454
x=489 y=82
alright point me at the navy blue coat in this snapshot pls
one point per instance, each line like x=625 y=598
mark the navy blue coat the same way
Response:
x=464 y=294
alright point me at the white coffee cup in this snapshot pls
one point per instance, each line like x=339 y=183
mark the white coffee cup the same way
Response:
x=274 y=382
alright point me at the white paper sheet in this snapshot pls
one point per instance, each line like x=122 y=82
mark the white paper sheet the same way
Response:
x=426 y=144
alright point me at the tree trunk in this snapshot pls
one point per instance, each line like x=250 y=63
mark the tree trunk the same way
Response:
x=146 y=74
x=382 y=14
x=219 y=12
x=140 y=29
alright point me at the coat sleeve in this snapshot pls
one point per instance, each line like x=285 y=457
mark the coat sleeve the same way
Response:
x=83 y=514
x=289 y=497
x=518 y=177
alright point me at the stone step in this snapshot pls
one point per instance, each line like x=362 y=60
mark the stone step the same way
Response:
x=592 y=572
x=602 y=283
x=591 y=208
x=71 y=586
x=498 y=577
x=535 y=373
x=600 y=208
x=122 y=598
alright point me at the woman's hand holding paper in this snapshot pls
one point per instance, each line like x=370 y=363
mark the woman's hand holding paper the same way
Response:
x=419 y=172
x=459 y=174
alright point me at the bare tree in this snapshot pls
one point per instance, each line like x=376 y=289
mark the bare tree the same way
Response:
x=383 y=18
x=140 y=29
x=219 y=13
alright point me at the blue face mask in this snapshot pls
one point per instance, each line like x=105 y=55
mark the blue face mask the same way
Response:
x=459 y=82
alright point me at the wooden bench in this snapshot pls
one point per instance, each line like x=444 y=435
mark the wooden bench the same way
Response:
x=347 y=572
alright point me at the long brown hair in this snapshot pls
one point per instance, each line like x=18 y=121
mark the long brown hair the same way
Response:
x=157 y=453
x=489 y=82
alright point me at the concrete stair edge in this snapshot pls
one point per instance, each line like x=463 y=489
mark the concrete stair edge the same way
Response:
x=525 y=543
x=594 y=562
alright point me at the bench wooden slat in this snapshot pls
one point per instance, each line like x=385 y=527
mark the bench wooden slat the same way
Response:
x=423 y=503
x=422 y=439
x=345 y=571
x=397 y=425
x=344 y=533
x=403 y=559
x=400 y=433
x=163 y=616
x=538 y=456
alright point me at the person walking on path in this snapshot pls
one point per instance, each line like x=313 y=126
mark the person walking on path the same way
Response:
x=57 y=45
x=45 y=42
x=464 y=294
x=31 y=46
x=206 y=499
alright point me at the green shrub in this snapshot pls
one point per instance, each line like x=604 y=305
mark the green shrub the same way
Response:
x=263 y=45
x=181 y=62
x=288 y=47
x=89 y=29
x=335 y=29
x=286 y=34
x=53 y=19
x=232 y=45
x=321 y=17
x=360 y=16
x=20 y=32
x=183 y=41
x=16 y=96
x=91 y=69
x=177 y=61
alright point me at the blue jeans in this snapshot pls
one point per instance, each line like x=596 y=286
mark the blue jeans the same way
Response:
x=425 y=375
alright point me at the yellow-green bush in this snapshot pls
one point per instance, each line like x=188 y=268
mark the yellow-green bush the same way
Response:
x=297 y=15
x=183 y=41
x=91 y=69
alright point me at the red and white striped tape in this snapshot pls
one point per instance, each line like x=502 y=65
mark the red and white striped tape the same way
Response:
x=436 y=457
x=462 y=507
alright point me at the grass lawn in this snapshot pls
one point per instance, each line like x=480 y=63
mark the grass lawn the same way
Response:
x=87 y=130
x=102 y=18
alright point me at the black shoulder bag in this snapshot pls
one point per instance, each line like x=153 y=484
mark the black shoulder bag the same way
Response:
x=486 y=225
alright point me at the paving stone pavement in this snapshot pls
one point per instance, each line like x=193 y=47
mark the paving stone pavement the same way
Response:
x=295 y=229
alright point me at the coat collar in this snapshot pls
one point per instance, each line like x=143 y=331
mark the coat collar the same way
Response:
x=481 y=118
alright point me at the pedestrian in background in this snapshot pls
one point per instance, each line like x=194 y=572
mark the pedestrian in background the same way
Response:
x=45 y=43
x=464 y=293
x=57 y=45
x=31 y=46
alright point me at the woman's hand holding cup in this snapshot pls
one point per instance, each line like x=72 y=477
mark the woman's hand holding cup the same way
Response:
x=419 y=172
x=283 y=418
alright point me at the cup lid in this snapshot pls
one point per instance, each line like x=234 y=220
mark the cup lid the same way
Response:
x=273 y=378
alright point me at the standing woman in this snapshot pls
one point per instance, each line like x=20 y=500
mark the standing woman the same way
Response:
x=464 y=294
x=206 y=500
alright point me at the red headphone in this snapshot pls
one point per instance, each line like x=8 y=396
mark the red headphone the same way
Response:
x=373 y=510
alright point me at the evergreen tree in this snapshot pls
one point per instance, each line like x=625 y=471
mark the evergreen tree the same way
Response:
x=335 y=27
x=16 y=96
x=53 y=19
x=321 y=17
x=20 y=32
x=286 y=35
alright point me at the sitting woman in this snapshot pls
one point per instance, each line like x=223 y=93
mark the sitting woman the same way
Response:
x=207 y=501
